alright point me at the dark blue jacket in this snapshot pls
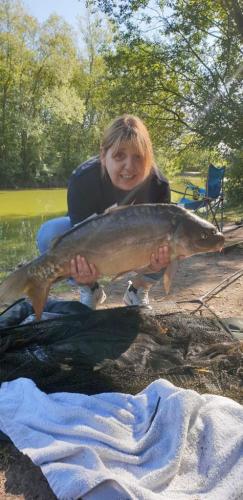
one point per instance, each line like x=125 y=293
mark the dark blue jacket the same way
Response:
x=90 y=191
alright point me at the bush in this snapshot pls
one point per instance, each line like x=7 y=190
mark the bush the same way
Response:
x=234 y=183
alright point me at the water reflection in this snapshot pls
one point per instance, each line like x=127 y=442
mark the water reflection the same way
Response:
x=18 y=240
x=21 y=214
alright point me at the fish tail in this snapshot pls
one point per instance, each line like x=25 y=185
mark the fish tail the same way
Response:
x=19 y=284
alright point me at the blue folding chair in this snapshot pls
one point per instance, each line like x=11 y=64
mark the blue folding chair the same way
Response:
x=209 y=199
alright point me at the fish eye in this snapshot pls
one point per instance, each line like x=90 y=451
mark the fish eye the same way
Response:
x=204 y=236
x=214 y=231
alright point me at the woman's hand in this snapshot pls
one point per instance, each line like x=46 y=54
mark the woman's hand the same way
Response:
x=83 y=272
x=160 y=259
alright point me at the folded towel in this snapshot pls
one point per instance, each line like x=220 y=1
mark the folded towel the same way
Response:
x=165 y=442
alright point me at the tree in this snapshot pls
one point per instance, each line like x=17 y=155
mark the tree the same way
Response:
x=37 y=66
x=91 y=81
x=16 y=62
x=192 y=68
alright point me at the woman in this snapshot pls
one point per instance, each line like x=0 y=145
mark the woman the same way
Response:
x=123 y=173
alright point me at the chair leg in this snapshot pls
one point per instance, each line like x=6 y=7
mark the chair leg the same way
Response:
x=214 y=210
x=222 y=215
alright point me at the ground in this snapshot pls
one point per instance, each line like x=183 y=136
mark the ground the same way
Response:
x=19 y=478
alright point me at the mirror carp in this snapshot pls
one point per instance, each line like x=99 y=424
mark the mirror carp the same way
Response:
x=117 y=242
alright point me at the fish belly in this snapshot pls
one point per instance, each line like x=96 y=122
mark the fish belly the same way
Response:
x=122 y=260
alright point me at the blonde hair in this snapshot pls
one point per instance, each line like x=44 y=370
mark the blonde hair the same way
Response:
x=129 y=130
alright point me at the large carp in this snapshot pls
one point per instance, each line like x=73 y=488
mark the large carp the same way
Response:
x=117 y=242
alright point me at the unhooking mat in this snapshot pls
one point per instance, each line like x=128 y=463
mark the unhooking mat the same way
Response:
x=117 y=350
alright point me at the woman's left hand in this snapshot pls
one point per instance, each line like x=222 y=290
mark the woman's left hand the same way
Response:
x=160 y=259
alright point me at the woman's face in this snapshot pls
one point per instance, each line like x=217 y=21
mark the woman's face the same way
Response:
x=126 y=167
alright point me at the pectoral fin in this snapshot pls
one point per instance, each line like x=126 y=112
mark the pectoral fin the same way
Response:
x=169 y=275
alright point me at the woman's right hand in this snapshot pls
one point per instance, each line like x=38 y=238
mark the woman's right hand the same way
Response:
x=82 y=271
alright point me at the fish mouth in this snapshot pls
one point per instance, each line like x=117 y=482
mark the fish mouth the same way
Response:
x=197 y=248
x=219 y=247
x=216 y=248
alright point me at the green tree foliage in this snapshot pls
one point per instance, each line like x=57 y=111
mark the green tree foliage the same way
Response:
x=175 y=63
x=234 y=184
x=180 y=62
x=16 y=62
x=190 y=71
x=51 y=109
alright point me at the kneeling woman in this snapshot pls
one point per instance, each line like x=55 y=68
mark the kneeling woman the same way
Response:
x=124 y=173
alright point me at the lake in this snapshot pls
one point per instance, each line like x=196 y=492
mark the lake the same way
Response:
x=22 y=213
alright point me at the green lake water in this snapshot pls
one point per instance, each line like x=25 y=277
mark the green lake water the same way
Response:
x=22 y=213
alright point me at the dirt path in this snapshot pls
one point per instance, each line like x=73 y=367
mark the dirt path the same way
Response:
x=19 y=478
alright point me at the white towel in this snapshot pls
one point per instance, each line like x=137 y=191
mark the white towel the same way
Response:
x=165 y=442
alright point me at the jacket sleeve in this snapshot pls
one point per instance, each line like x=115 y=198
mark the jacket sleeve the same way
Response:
x=165 y=193
x=81 y=199
x=160 y=188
